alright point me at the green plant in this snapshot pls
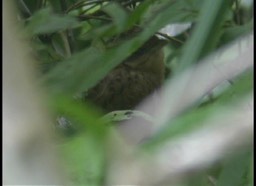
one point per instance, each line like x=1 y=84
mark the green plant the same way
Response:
x=71 y=44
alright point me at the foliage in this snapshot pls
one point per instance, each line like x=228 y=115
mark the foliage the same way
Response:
x=71 y=41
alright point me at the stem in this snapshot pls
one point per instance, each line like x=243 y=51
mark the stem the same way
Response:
x=64 y=38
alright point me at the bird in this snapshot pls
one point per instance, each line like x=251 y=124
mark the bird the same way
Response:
x=139 y=75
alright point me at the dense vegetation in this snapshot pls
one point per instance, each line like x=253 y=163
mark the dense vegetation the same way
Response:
x=72 y=42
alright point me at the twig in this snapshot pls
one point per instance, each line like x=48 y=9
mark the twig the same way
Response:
x=82 y=3
x=170 y=38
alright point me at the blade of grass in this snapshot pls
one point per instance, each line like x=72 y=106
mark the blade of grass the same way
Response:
x=196 y=118
x=206 y=34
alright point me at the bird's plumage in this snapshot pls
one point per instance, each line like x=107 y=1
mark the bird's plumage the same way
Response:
x=131 y=81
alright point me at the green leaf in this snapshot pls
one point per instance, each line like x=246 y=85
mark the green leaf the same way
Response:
x=235 y=170
x=196 y=117
x=44 y=21
x=241 y=86
x=118 y=15
x=85 y=69
x=167 y=12
x=234 y=32
x=83 y=163
x=206 y=34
